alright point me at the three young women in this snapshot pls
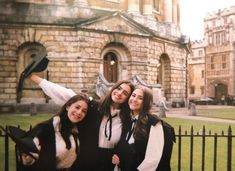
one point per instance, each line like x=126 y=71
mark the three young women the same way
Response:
x=102 y=128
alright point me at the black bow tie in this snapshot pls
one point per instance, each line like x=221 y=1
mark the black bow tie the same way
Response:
x=133 y=120
x=132 y=127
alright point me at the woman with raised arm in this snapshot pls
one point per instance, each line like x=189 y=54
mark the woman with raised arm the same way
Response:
x=101 y=130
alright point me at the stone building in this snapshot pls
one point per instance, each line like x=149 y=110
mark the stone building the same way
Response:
x=219 y=46
x=196 y=71
x=91 y=43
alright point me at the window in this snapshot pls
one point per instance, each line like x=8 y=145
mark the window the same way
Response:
x=222 y=37
x=200 y=53
x=192 y=90
x=217 y=38
x=203 y=73
x=223 y=61
x=202 y=90
x=225 y=20
x=213 y=23
x=212 y=62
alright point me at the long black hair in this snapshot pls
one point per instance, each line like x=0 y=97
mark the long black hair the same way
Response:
x=67 y=126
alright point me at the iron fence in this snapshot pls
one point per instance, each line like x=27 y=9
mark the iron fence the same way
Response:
x=180 y=135
x=192 y=135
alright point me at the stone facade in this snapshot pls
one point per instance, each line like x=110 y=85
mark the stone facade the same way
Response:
x=79 y=36
x=196 y=71
x=219 y=58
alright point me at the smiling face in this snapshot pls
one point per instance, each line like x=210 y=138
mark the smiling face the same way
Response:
x=120 y=94
x=136 y=101
x=77 y=111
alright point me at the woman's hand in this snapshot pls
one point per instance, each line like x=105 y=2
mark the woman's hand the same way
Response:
x=35 y=78
x=115 y=159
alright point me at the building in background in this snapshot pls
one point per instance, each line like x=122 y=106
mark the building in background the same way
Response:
x=92 y=43
x=219 y=45
x=196 y=71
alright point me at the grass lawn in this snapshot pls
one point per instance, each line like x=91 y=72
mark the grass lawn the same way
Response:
x=212 y=127
x=225 y=112
x=25 y=120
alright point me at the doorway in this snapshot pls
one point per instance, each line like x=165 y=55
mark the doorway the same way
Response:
x=221 y=90
x=110 y=67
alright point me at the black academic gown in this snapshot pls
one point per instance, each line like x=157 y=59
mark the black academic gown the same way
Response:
x=47 y=156
x=88 y=158
x=132 y=155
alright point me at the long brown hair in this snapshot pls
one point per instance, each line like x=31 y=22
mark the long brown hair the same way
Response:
x=66 y=124
x=107 y=101
x=141 y=125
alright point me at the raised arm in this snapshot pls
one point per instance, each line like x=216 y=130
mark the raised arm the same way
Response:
x=57 y=93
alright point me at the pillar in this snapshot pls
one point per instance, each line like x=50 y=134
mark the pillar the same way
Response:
x=168 y=11
x=147 y=7
x=133 y=6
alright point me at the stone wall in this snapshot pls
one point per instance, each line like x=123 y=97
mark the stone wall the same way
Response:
x=76 y=50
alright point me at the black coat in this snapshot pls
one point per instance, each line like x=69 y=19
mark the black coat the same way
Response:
x=131 y=155
x=88 y=158
x=47 y=156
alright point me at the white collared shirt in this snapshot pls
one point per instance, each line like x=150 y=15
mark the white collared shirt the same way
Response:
x=116 y=130
x=132 y=140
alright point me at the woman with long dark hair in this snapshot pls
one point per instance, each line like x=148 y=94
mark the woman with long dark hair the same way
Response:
x=56 y=139
x=142 y=145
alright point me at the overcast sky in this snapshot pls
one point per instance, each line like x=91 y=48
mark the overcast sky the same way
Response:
x=194 y=11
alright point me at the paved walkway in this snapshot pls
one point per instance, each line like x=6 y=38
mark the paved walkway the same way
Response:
x=184 y=114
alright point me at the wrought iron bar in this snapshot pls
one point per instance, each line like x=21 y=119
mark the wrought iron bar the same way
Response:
x=179 y=149
x=203 y=147
x=229 y=159
x=215 y=152
x=191 y=149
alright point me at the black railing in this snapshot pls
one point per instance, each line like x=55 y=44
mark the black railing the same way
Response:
x=191 y=137
x=203 y=135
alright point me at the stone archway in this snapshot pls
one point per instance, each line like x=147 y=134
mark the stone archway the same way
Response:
x=221 y=90
x=30 y=90
x=116 y=60
x=164 y=74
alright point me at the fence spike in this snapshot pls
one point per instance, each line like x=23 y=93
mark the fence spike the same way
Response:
x=229 y=149
x=192 y=130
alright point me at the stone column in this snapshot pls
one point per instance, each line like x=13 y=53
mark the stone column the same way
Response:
x=147 y=7
x=167 y=10
x=175 y=11
x=133 y=6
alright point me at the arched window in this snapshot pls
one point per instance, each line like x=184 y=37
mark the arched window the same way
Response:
x=164 y=74
x=111 y=67
x=29 y=90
